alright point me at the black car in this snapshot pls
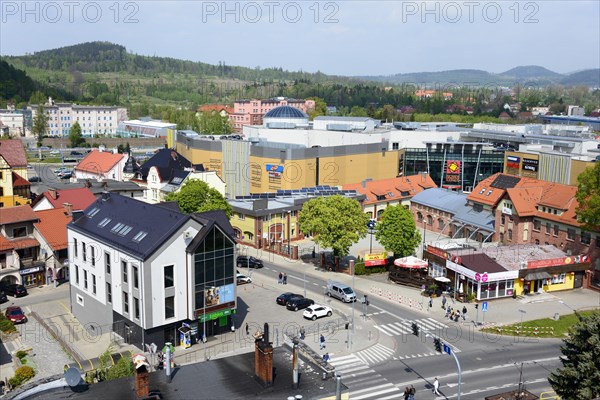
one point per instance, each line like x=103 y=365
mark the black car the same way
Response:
x=67 y=175
x=76 y=153
x=298 y=303
x=35 y=179
x=3 y=297
x=245 y=262
x=15 y=290
x=283 y=299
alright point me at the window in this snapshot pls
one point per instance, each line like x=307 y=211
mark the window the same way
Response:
x=419 y=217
x=502 y=220
x=83 y=251
x=169 y=307
x=537 y=225
x=108 y=293
x=556 y=279
x=548 y=228
x=510 y=234
x=93 y=250
x=395 y=146
x=80 y=300
x=169 y=276
x=429 y=220
x=241 y=216
x=77 y=274
x=93 y=284
x=136 y=278
x=107 y=262
x=85 y=281
x=440 y=223
x=125 y=302
x=136 y=308
x=570 y=234
x=555 y=230
x=586 y=238
x=124 y=268
x=502 y=237
x=20 y=232
x=537 y=242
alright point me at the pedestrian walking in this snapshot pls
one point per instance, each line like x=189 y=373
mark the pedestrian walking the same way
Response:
x=326 y=357
x=247 y=329
x=412 y=391
x=302 y=333
x=322 y=342
x=436 y=387
x=448 y=311
x=430 y=301
x=284 y=278
x=464 y=313
x=406 y=393
x=280 y=278
x=444 y=301
x=456 y=316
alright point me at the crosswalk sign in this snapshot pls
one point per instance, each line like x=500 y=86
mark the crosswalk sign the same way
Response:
x=484 y=306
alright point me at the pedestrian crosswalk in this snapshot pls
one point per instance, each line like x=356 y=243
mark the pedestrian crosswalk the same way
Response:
x=375 y=354
x=363 y=382
x=403 y=327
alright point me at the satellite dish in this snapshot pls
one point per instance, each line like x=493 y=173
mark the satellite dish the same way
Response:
x=73 y=376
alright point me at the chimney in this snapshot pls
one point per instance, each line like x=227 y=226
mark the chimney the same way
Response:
x=69 y=208
x=53 y=193
x=263 y=359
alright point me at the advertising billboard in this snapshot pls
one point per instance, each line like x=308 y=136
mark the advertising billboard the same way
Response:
x=274 y=171
x=530 y=165
x=452 y=167
x=217 y=295
x=513 y=162
x=375 y=259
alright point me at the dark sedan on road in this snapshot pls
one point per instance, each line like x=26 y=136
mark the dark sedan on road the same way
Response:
x=245 y=261
x=283 y=298
x=3 y=297
x=298 y=303
x=15 y=290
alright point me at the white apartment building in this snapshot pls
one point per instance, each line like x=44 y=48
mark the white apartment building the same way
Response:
x=15 y=122
x=94 y=120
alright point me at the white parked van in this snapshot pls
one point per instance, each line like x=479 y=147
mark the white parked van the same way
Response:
x=340 y=291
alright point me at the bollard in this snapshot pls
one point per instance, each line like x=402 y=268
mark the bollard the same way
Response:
x=338 y=388
x=168 y=362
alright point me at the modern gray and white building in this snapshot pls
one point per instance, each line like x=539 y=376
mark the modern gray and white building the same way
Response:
x=142 y=270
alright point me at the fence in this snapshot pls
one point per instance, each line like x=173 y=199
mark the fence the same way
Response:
x=396 y=298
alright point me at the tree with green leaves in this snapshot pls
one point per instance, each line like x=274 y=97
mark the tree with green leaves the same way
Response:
x=588 y=197
x=319 y=110
x=212 y=123
x=196 y=196
x=40 y=125
x=397 y=232
x=335 y=222
x=37 y=97
x=579 y=377
x=75 y=136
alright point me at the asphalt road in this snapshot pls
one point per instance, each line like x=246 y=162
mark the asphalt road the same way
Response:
x=490 y=363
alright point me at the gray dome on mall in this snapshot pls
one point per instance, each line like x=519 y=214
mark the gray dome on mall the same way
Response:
x=285 y=117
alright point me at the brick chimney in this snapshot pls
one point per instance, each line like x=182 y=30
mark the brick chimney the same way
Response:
x=263 y=358
x=53 y=193
x=69 y=208
x=142 y=383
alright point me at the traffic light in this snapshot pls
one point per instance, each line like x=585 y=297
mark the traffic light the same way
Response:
x=437 y=344
x=476 y=306
x=415 y=329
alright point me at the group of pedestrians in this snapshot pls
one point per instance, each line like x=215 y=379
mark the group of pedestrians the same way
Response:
x=454 y=315
x=409 y=393
x=282 y=278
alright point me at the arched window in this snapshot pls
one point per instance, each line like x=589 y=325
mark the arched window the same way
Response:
x=248 y=235
x=379 y=213
x=429 y=220
x=419 y=217
x=237 y=233
x=369 y=214
x=441 y=223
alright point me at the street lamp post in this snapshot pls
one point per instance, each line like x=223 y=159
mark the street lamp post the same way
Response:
x=522 y=313
x=352 y=264
x=423 y=247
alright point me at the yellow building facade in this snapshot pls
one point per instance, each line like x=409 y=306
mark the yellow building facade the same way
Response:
x=11 y=195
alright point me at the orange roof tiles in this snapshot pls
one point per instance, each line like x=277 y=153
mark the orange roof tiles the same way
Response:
x=25 y=243
x=17 y=214
x=53 y=227
x=79 y=198
x=5 y=244
x=216 y=107
x=13 y=152
x=410 y=185
x=19 y=181
x=99 y=162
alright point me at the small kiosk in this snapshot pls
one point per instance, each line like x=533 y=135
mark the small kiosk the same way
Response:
x=185 y=336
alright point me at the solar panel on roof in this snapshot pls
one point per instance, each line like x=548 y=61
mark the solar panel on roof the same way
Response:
x=505 y=182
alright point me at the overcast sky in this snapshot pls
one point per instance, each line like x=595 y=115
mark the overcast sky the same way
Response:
x=338 y=37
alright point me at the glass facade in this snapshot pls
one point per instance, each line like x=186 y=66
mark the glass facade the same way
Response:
x=213 y=267
x=457 y=163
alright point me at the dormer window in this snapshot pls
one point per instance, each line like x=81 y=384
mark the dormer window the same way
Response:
x=390 y=194
x=482 y=191
x=488 y=193
x=381 y=197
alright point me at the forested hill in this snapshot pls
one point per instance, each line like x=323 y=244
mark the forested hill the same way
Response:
x=109 y=57
x=18 y=86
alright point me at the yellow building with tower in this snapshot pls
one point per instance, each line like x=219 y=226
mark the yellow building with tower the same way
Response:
x=14 y=186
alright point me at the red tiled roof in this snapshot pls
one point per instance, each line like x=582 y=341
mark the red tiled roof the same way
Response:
x=412 y=184
x=5 y=244
x=53 y=227
x=13 y=152
x=17 y=214
x=80 y=198
x=25 y=243
x=19 y=181
x=216 y=107
x=99 y=162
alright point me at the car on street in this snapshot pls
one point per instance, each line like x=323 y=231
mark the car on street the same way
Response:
x=66 y=175
x=3 y=297
x=249 y=261
x=298 y=303
x=61 y=170
x=283 y=298
x=35 y=179
x=55 y=152
x=14 y=290
x=76 y=153
x=29 y=166
x=242 y=279
x=317 y=311
x=15 y=315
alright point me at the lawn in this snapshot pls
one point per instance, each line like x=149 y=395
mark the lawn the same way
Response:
x=559 y=329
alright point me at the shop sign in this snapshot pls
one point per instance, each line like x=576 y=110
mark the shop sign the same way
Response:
x=481 y=277
x=489 y=277
x=552 y=262
x=453 y=167
x=437 y=252
x=274 y=171
x=213 y=315
x=375 y=259
x=30 y=270
x=506 y=210
x=513 y=162
x=530 y=165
